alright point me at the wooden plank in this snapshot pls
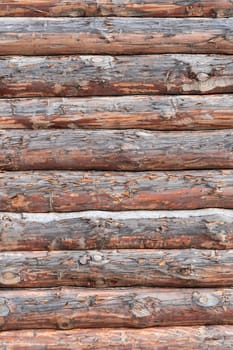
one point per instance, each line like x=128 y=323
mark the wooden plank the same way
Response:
x=119 y=112
x=68 y=308
x=115 y=36
x=66 y=191
x=207 y=228
x=115 y=75
x=127 y=150
x=122 y=268
x=185 y=338
x=150 y=8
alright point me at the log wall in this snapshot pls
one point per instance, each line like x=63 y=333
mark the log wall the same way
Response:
x=116 y=175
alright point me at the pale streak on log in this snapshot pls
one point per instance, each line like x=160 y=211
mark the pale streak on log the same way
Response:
x=65 y=191
x=119 y=112
x=115 y=75
x=200 y=229
x=172 y=338
x=134 y=8
x=122 y=268
x=115 y=36
x=68 y=308
x=125 y=150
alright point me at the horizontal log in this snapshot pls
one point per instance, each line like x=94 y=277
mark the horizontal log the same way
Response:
x=38 y=191
x=67 y=308
x=207 y=228
x=119 y=112
x=115 y=36
x=122 y=268
x=127 y=150
x=115 y=75
x=185 y=338
x=150 y=8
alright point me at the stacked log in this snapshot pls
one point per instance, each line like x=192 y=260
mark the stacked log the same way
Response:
x=116 y=175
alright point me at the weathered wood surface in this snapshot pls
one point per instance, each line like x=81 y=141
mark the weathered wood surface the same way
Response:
x=64 y=191
x=67 y=308
x=207 y=228
x=119 y=112
x=51 y=36
x=172 y=338
x=126 y=150
x=115 y=75
x=145 y=8
x=122 y=268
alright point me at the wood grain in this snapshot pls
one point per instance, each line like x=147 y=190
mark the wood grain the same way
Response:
x=126 y=150
x=68 y=308
x=115 y=36
x=66 y=191
x=207 y=228
x=186 y=338
x=115 y=75
x=119 y=112
x=138 y=8
x=122 y=268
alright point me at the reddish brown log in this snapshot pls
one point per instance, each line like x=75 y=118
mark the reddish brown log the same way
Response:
x=77 y=191
x=127 y=150
x=115 y=36
x=150 y=8
x=123 y=268
x=125 y=112
x=67 y=308
x=108 y=75
x=172 y=338
x=208 y=228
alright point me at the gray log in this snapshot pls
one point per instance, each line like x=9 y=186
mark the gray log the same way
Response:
x=119 y=112
x=208 y=228
x=138 y=8
x=67 y=308
x=43 y=191
x=115 y=75
x=115 y=36
x=122 y=268
x=127 y=150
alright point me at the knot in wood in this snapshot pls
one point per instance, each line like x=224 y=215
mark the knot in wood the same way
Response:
x=202 y=76
x=97 y=257
x=64 y=323
x=9 y=278
x=84 y=259
x=205 y=299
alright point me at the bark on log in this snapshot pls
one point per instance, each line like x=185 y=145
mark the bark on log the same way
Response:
x=67 y=308
x=134 y=8
x=39 y=191
x=122 y=268
x=127 y=150
x=208 y=228
x=122 y=112
x=172 y=338
x=115 y=75
x=115 y=36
